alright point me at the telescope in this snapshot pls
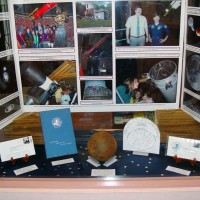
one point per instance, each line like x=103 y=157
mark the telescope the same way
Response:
x=42 y=84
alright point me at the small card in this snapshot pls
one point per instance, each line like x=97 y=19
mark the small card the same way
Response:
x=183 y=148
x=140 y=153
x=103 y=172
x=179 y=171
x=25 y=170
x=110 y=161
x=93 y=161
x=17 y=148
x=61 y=162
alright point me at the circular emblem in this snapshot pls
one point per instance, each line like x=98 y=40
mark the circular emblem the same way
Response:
x=56 y=122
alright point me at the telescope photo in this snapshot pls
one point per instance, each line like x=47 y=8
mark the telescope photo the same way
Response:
x=49 y=82
x=44 y=25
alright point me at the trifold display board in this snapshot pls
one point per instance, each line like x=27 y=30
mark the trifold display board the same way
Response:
x=98 y=56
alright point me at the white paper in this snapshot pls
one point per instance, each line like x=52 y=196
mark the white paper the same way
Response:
x=93 y=161
x=25 y=170
x=103 y=172
x=183 y=148
x=178 y=170
x=17 y=148
x=140 y=153
x=61 y=162
x=141 y=135
x=110 y=161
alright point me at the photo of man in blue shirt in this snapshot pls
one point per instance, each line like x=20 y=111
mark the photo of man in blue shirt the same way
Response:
x=158 y=32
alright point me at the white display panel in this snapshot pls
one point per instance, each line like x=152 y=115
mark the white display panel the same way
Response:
x=191 y=76
x=9 y=95
x=92 y=35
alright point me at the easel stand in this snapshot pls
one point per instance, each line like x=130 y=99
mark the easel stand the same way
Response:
x=178 y=160
x=24 y=159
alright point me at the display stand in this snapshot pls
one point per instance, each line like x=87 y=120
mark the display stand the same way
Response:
x=24 y=159
x=178 y=160
x=13 y=161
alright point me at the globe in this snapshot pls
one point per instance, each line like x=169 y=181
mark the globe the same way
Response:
x=102 y=146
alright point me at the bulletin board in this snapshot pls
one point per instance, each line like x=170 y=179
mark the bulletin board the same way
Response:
x=82 y=50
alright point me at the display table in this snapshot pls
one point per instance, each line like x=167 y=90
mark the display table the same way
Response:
x=127 y=164
x=73 y=181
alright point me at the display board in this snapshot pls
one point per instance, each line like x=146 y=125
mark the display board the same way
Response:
x=191 y=75
x=88 y=56
x=9 y=94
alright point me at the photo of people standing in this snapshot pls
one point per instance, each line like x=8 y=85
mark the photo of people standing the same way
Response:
x=136 y=26
x=158 y=32
x=44 y=25
x=137 y=29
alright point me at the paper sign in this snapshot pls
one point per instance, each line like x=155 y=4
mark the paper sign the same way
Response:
x=25 y=170
x=93 y=161
x=178 y=170
x=103 y=172
x=62 y=162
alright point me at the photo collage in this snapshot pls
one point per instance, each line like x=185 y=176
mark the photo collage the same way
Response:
x=112 y=54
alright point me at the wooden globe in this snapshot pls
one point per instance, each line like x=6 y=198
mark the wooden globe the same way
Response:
x=102 y=146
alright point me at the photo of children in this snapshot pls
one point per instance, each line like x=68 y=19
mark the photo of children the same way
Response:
x=49 y=82
x=148 y=80
x=136 y=26
x=44 y=25
x=94 y=14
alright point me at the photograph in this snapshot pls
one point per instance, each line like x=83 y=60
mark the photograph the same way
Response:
x=192 y=103
x=3 y=6
x=146 y=80
x=136 y=26
x=44 y=25
x=8 y=82
x=192 y=72
x=95 y=54
x=5 y=37
x=193 y=30
x=194 y=3
x=96 y=90
x=49 y=82
x=94 y=14
x=9 y=108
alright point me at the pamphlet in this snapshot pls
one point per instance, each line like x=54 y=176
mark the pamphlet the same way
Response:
x=58 y=133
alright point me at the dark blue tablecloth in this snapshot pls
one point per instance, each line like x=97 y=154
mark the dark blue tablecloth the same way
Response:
x=127 y=164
